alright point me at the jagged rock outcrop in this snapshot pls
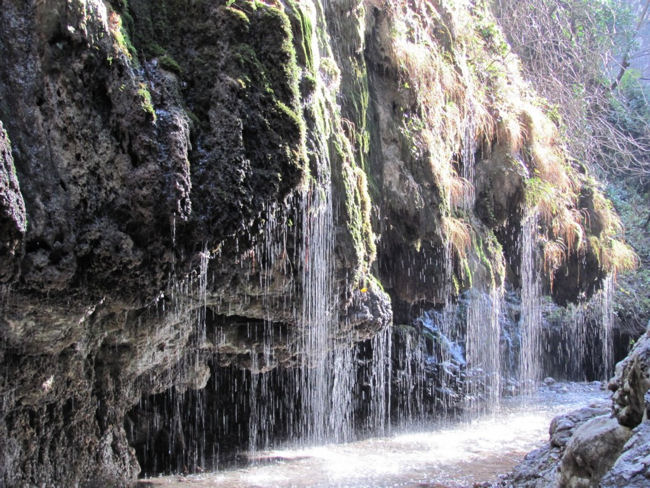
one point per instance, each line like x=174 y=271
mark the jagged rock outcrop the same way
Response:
x=181 y=168
x=632 y=468
x=591 y=451
x=631 y=384
x=13 y=222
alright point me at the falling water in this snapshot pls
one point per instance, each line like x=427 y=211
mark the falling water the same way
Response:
x=531 y=311
x=427 y=368
x=483 y=348
x=315 y=394
x=318 y=310
x=575 y=337
x=410 y=357
x=202 y=293
x=327 y=374
x=380 y=382
x=460 y=455
x=449 y=354
x=607 y=319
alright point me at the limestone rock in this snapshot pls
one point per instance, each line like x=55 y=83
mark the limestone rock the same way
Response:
x=631 y=383
x=161 y=143
x=592 y=450
x=13 y=221
x=632 y=468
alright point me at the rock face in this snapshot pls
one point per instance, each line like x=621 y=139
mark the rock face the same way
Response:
x=596 y=447
x=179 y=174
x=631 y=384
x=13 y=222
x=632 y=468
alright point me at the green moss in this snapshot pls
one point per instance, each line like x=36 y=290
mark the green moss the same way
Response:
x=168 y=63
x=356 y=205
x=538 y=190
x=196 y=122
x=124 y=43
x=275 y=47
x=307 y=85
x=145 y=101
x=237 y=15
x=489 y=253
x=456 y=284
x=467 y=274
x=303 y=30
x=294 y=123
x=480 y=253
x=375 y=282
x=251 y=70
x=155 y=50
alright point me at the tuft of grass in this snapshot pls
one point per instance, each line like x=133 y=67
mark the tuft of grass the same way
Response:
x=458 y=234
x=616 y=257
x=122 y=41
x=554 y=256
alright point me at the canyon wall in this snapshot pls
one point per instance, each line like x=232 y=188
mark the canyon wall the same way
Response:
x=175 y=174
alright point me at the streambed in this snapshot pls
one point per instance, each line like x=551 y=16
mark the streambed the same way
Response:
x=449 y=456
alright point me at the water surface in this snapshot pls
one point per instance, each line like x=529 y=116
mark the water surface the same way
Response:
x=451 y=456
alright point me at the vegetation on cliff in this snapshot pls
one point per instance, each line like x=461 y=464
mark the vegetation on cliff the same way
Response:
x=579 y=55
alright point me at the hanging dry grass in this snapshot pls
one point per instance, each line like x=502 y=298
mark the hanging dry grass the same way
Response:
x=458 y=234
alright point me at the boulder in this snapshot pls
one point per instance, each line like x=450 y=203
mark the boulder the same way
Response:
x=632 y=468
x=540 y=467
x=592 y=450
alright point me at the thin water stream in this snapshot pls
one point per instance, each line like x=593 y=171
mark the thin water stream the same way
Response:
x=449 y=456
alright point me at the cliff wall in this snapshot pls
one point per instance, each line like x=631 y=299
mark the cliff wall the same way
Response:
x=166 y=165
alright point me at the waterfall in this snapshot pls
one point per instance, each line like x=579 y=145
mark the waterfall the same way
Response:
x=380 y=382
x=584 y=349
x=483 y=350
x=410 y=356
x=315 y=395
x=531 y=310
x=318 y=309
x=607 y=324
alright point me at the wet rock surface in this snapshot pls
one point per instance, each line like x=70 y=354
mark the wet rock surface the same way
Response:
x=632 y=468
x=540 y=467
x=631 y=384
x=13 y=222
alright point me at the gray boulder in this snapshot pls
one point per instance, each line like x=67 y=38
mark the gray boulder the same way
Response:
x=592 y=450
x=632 y=468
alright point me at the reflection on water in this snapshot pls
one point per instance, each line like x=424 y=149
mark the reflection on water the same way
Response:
x=450 y=456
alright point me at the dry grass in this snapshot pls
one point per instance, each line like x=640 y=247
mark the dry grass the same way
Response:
x=613 y=255
x=554 y=255
x=455 y=68
x=457 y=233
x=510 y=132
x=547 y=156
